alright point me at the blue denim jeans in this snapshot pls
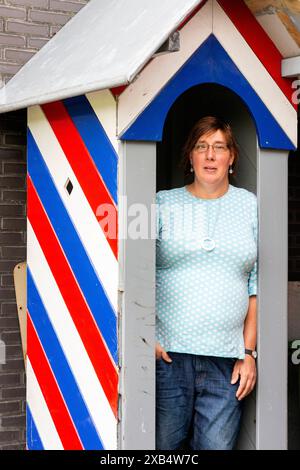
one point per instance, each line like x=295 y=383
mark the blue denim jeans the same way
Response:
x=196 y=406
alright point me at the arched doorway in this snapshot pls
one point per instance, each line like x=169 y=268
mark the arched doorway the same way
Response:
x=199 y=101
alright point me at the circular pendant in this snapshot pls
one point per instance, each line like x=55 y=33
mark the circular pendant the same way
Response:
x=208 y=244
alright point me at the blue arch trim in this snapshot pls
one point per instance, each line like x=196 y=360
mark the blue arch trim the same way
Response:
x=209 y=64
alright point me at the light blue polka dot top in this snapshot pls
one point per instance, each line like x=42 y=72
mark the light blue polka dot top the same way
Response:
x=202 y=297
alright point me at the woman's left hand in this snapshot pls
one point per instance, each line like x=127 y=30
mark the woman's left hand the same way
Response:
x=246 y=370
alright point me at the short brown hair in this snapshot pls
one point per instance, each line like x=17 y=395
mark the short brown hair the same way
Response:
x=208 y=125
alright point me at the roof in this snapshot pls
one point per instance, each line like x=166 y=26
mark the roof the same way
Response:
x=105 y=45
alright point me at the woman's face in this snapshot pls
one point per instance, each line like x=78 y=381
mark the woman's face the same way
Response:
x=211 y=166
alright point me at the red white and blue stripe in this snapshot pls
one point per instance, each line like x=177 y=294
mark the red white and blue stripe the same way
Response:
x=224 y=44
x=72 y=279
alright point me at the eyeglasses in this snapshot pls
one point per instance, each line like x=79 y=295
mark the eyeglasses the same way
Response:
x=217 y=148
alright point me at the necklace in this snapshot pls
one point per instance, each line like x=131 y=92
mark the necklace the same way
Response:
x=208 y=243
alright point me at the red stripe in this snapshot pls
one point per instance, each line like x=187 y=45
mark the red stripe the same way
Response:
x=73 y=297
x=82 y=164
x=259 y=41
x=51 y=392
x=117 y=91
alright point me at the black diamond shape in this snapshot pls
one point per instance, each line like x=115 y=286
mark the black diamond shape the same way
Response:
x=69 y=187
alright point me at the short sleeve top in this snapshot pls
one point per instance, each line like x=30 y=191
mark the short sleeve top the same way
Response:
x=202 y=297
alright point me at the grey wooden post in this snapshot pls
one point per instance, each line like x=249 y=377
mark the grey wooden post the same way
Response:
x=137 y=181
x=271 y=429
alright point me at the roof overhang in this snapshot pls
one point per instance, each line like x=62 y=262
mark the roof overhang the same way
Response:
x=105 y=45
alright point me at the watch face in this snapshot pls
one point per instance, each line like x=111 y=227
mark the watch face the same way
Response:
x=254 y=354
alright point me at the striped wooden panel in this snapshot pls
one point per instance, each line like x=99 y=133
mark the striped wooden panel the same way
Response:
x=72 y=277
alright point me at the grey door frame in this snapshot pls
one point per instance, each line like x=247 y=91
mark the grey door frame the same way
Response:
x=137 y=181
x=272 y=386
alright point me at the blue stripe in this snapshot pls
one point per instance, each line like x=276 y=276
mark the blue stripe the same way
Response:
x=209 y=64
x=96 y=141
x=69 y=239
x=60 y=367
x=34 y=441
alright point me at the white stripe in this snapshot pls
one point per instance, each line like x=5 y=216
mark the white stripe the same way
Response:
x=254 y=71
x=40 y=412
x=71 y=343
x=105 y=108
x=84 y=220
x=276 y=30
x=161 y=69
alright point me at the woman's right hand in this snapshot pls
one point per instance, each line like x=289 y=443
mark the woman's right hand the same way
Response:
x=160 y=353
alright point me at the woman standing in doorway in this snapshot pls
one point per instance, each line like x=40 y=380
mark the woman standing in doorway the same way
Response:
x=206 y=283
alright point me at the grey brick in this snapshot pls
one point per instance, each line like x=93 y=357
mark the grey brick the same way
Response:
x=11 y=238
x=14 y=406
x=66 y=6
x=12 y=40
x=16 y=392
x=37 y=43
x=10 y=379
x=7 y=266
x=7 y=280
x=11 y=337
x=11 y=364
x=8 y=309
x=15 y=139
x=13 y=252
x=18 y=55
x=17 y=196
x=6 y=67
x=7 y=294
x=31 y=3
x=54 y=30
x=27 y=28
x=12 y=12
x=13 y=224
x=9 y=435
x=12 y=182
x=13 y=421
x=14 y=168
x=11 y=210
x=15 y=446
x=14 y=351
x=48 y=17
x=12 y=154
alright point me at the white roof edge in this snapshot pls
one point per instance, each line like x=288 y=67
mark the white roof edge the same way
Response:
x=61 y=95
x=56 y=72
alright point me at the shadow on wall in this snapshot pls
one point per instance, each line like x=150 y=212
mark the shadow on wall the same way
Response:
x=294 y=366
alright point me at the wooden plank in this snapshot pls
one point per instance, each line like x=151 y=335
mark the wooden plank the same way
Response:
x=21 y=297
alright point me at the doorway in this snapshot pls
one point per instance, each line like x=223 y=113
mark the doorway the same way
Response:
x=197 y=102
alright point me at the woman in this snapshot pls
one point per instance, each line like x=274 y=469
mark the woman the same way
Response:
x=206 y=273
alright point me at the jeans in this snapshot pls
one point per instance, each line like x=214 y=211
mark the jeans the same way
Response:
x=196 y=404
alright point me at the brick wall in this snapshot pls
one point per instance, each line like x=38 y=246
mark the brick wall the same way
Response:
x=25 y=26
x=12 y=251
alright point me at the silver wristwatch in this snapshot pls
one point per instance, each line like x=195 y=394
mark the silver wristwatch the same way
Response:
x=251 y=352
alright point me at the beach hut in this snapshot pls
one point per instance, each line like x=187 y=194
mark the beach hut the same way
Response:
x=110 y=99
